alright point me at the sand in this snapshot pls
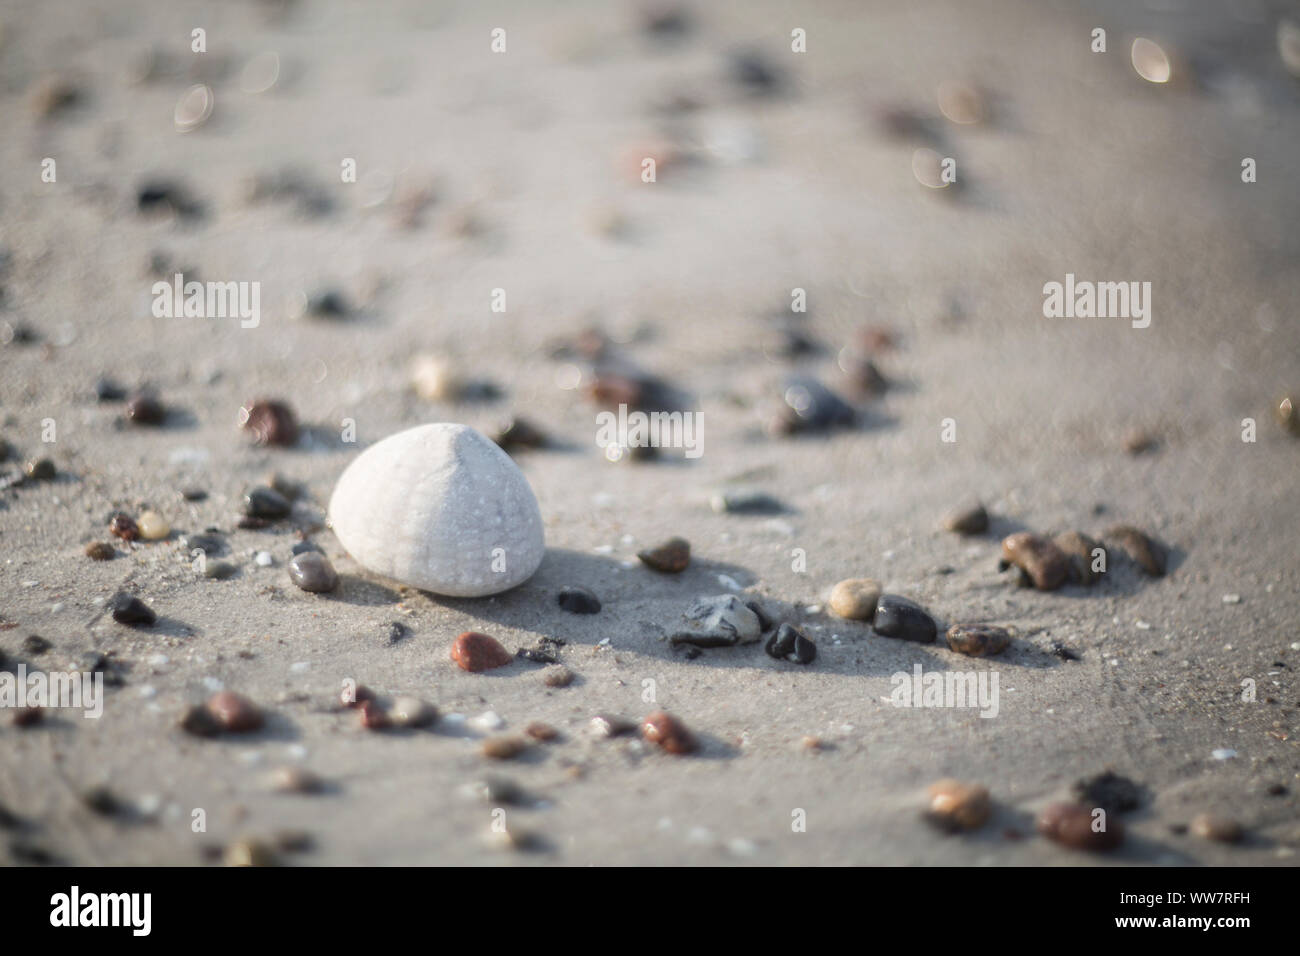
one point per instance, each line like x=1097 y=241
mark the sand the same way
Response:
x=1084 y=168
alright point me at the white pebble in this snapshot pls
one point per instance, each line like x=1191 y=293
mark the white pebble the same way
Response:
x=1223 y=753
x=1232 y=599
x=264 y=559
x=486 y=722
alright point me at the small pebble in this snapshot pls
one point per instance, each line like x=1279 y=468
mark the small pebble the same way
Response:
x=412 y=712
x=955 y=805
x=1288 y=411
x=978 y=640
x=721 y=621
x=106 y=390
x=1209 y=826
x=972 y=519
x=28 y=716
x=152 y=526
x=123 y=526
x=41 y=469
x=100 y=551
x=249 y=853
x=266 y=503
x=374 y=715
x=1142 y=550
x=1110 y=791
x=557 y=676
x=608 y=725
x=904 y=620
x=671 y=557
x=809 y=406
x=218 y=570
x=131 y=610
x=745 y=501
x=1138 y=441
x=270 y=422
x=1078 y=549
x=1041 y=560
x=143 y=408
x=754 y=73
x=519 y=433
x=855 y=599
x=479 y=652
x=668 y=732
x=540 y=731
x=263 y=559
x=1071 y=824
x=790 y=644
x=234 y=713
x=578 y=600
x=296 y=780
x=436 y=378
x=504 y=747
x=36 y=645
x=313 y=572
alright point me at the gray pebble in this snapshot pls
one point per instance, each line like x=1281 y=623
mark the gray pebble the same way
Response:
x=313 y=572
x=266 y=503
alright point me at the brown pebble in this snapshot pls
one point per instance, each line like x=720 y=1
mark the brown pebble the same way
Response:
x=1288 y=414
x=1071 y=824
x=1138 y=441
x=504 y=747
x=978 y=640
x=100 y=551
x=296 y=780
x=143 y=408
x=123 y=526
x=668 y=732
x=855 y=599
x=374 y=715
x=1143 y=550
x=479 y=652
x=812 y=743
x=1079 y=550
x=1044 y=563
x=270 y=422
x=540 y=731
x=558 y=676
x=1209 y=826
x=972 y=519
x=955 y=805
x=671 y=557
x=249 y=853
x=28 y=716
x=233 y=713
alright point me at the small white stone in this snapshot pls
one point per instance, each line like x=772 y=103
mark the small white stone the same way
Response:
x=264 y=559
x=442 y=508
x=1223 y=753
x=1232 y=599
x=486 y=722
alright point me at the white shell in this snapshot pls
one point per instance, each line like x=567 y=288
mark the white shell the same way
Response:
x=441 y=508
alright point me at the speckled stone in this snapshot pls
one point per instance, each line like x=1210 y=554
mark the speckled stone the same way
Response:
x=855 y=599
x=978 y=640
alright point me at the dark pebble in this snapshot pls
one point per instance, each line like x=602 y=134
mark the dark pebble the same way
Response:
x=166 y=197
x=668 y=732
x=144 y=408
x=1065 y=653
x=538 y=655
x=519 y=433
x=36 y=645
x=789 y=644
x=328 y=304
x=28 y=716
x=969 y=520
x=102 y=801
x=978 y=640
x=123 y=526
x=207 y=543
x=1110 y=791
x=313 y=572
x=131 y=610
x=809 y=406
x=41 y=469
x=234 y=713
x=1145 y=552
x=106 y=390
x=100 y=551
x=266 y=503
x=194 y=494
x=270 y=422
x=754 y=73
x=671 y=557
x=397 y=631
x=904 y=620
x=578 y=600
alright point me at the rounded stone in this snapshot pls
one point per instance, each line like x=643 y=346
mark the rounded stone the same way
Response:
x=100 y=551
x=578 y=600
x=263 y=502
x=668 y=732
x=1210 y=826
x=955 y=805
x=479 y=652
x=855 y=599
x=234 y=713
x=412 y=712
x=131 y=610
x=1038 y=557
x=788 y=643
x=153 y=526
x=971 y=519
x=978 y=640
x=313 y=572
x=1072 y=825
x=442 y=508
x=671 y=557
x=904 y=620
x=123 y=526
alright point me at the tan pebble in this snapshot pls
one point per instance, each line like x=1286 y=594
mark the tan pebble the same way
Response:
x=1141 y=548
x=855 y=599
x=1209 y=826
x=1288 y=414
x=1040 y=559
x=153 y=526
x=955 y=805
x=540 y=731
x=504 y=747
x=559 y=676
x=249 y=853
x=812 y=743
x=971 y=519
x=100 y=551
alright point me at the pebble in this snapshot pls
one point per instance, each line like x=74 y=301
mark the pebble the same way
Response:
x=504 y=747
x=106 y=390
x=270 y=422
x=1288 y=414
x=100 y=551
x=123 y=526
x=479 y=652
x=218 y=570
x=209 y=544
x=296 y=780
x=1038 y=558
x=809 y=406
x=520 y=433
x=541 y=731
x=143 y=408
x=28 y=716
x=40 y=469
x=55 y=96
x=412 y=712
x=131 y=610
x=313 y=572
x=956 y=805
x=1110 y=791
x=304 y=547
x=855 y=599
x=267 y=503
x=972 y=519
x=558 y=676
x=790 y=644
x=1142 y=550
x=1138 y=441
x=1078 y=549
x=753 y=72
x=904 y=620
x=153 y=526
x=437 y=507
x=166 y=198
x=671 y=557
x=249 y=853
x=578 y=600
x=264 y=559
x=1209 y=826
x=36 y=645
x=607 y=725
x=747 y=501
x=1070 y=824
x=234 y=713
x=720 y=621
x=978 y=640
x=668 y=732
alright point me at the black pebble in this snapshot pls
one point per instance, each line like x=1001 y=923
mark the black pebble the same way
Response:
x=397 y=631
x=36 y=645
x=578 y=600
x=904 y=620
x=788 y=643
x=1110 y=791
x=143 y=408
x=193 y=494
x=106 y=390
x=131 y=610
x=752 y=71
x=266 y=503
x=1063 y=652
